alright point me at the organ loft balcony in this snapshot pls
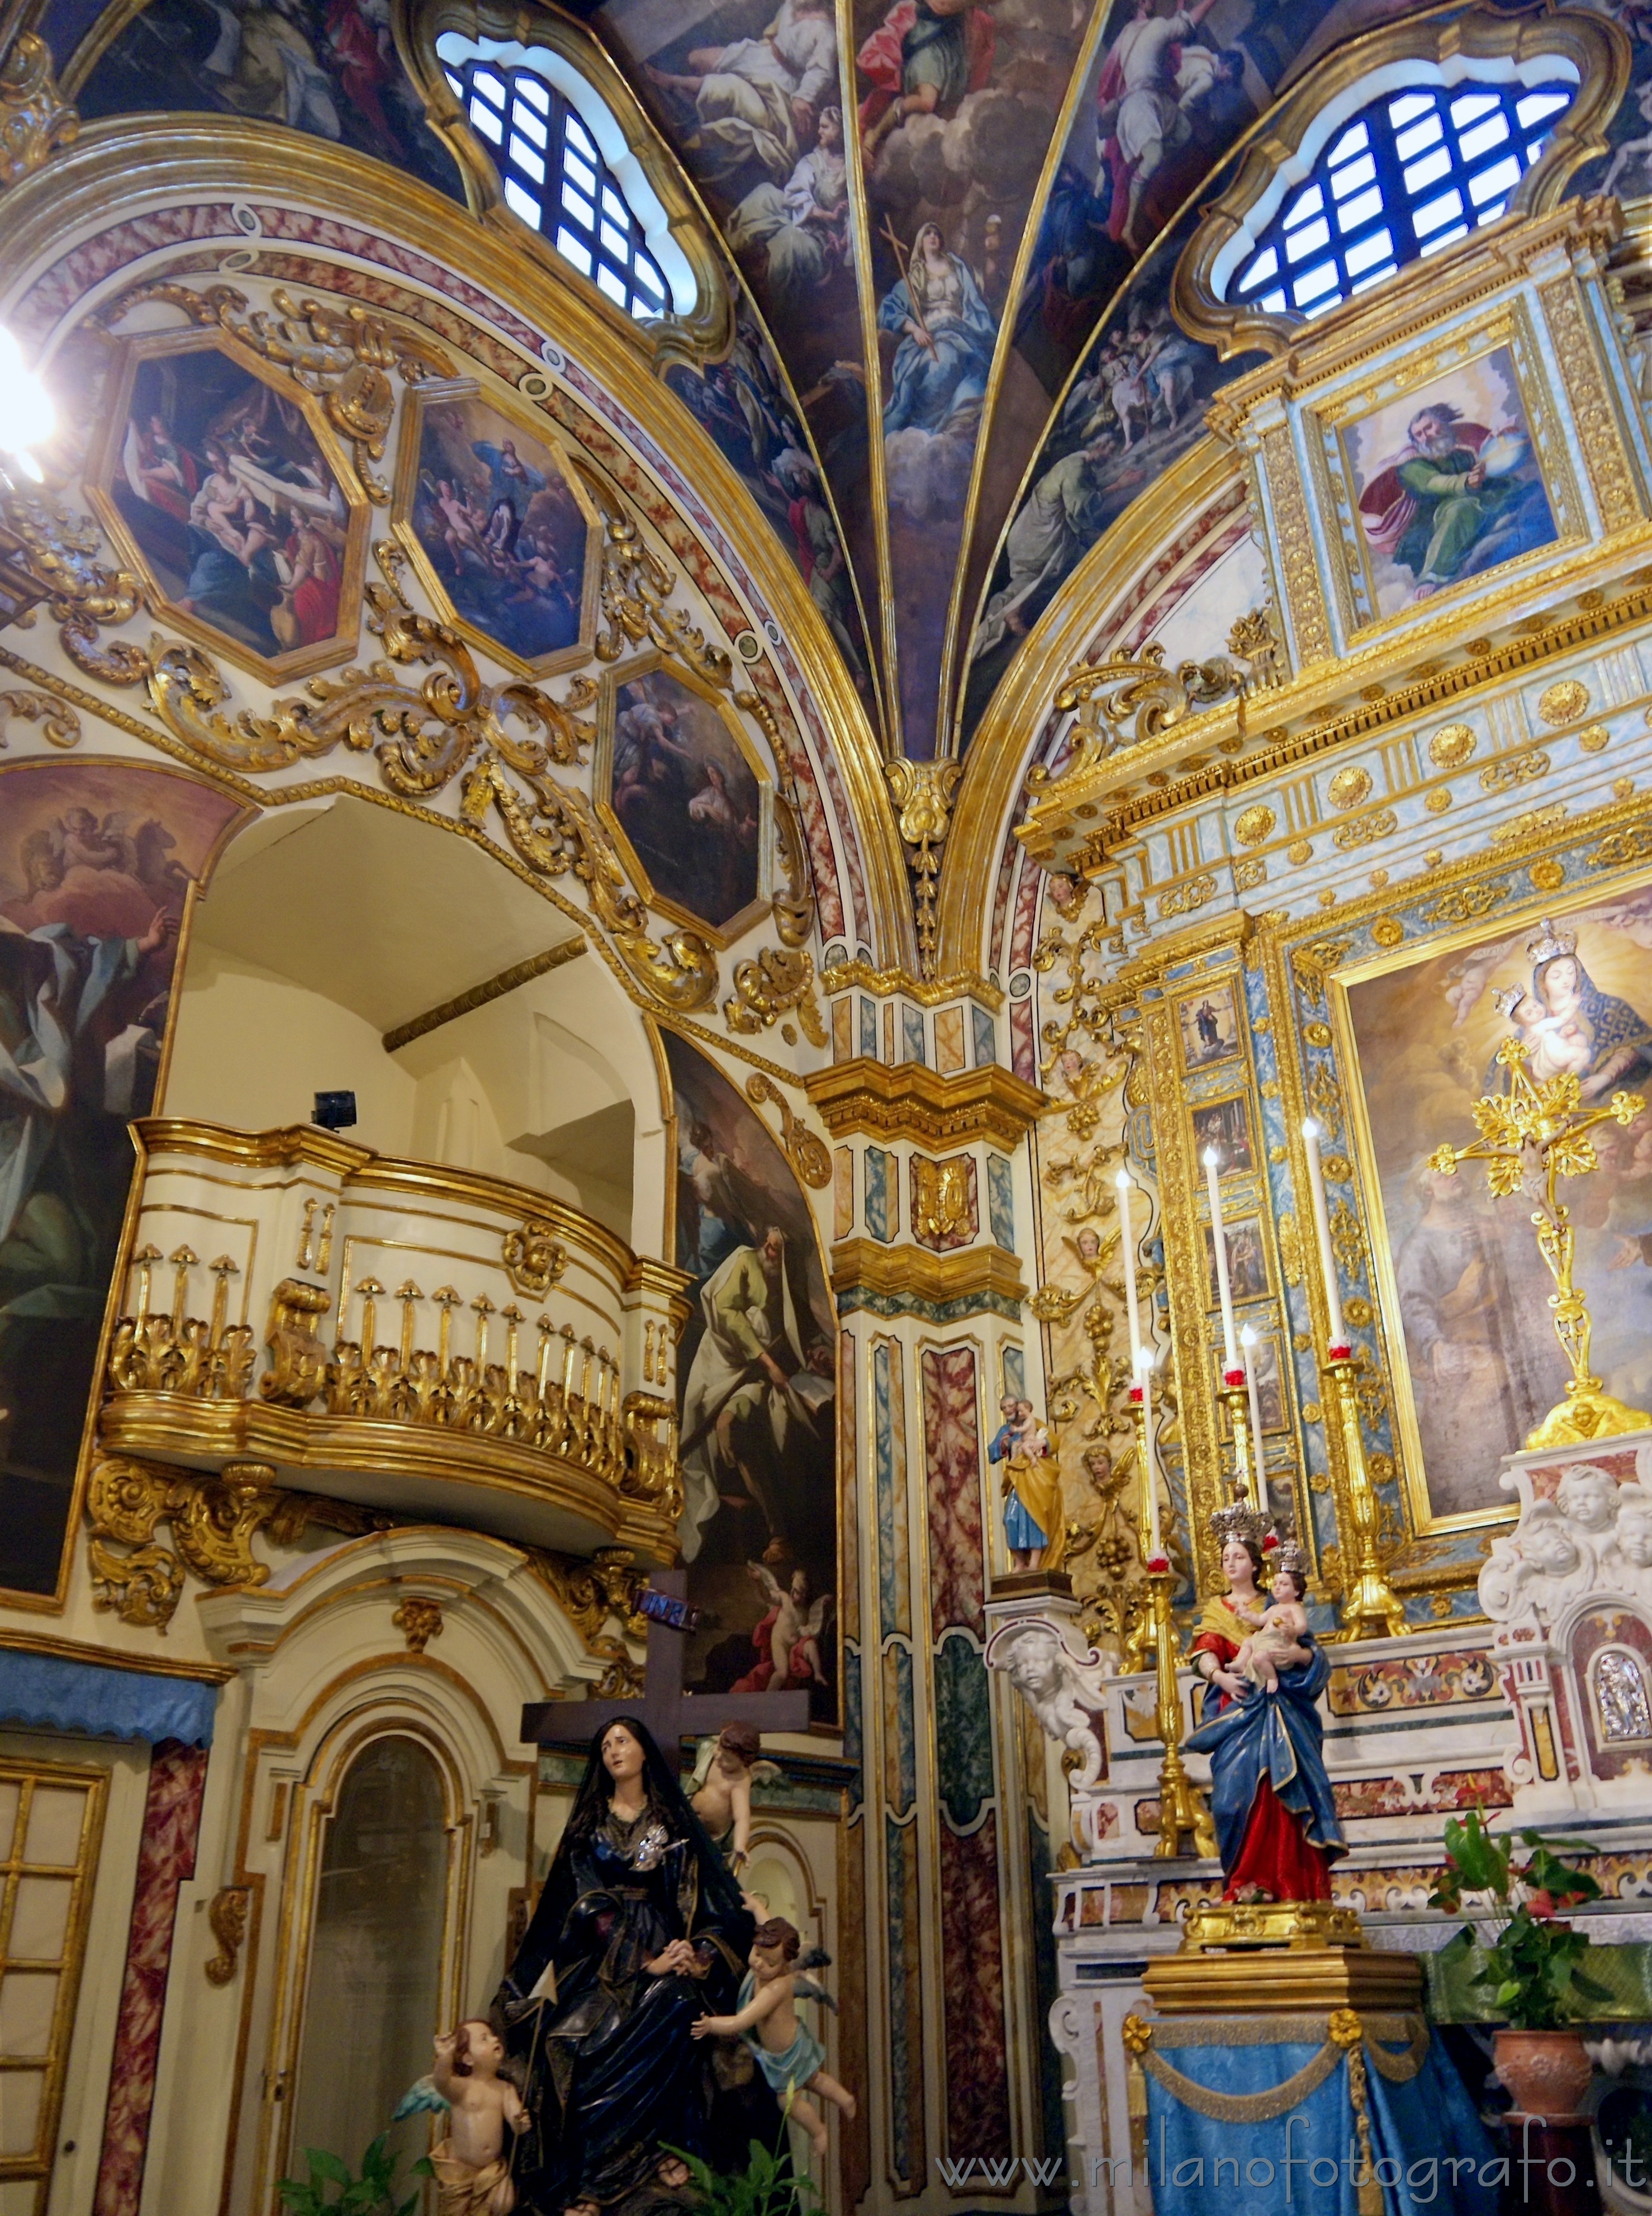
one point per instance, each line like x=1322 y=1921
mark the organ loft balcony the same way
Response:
x=402 y=1335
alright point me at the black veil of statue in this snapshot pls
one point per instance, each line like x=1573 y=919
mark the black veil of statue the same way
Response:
x=612 y=2073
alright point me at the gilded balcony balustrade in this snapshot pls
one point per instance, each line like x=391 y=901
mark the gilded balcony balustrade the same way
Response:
x=527 y=1391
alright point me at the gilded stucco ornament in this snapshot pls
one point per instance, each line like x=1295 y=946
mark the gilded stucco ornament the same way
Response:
x=775 y=982
x=60 y=550
x=792 y=904
x=213 y=1522
x=501 y=739
x=923 y=792
x=806 y=1153
x=36 y=121
x=60 y=725
x=342 y=355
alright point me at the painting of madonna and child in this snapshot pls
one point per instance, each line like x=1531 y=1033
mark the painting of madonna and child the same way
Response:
x=1466 y=1285
x=510 y=542
x=232 y=508
x=756 y=1386
x=1446 y=483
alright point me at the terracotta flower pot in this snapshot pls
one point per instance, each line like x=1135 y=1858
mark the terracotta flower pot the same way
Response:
x=1546 y=2073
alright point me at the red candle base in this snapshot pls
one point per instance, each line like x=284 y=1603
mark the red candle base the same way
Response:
x=1341 y=1354
x=1233 y=1377
x=1135 y=1396
x=1158 y=1563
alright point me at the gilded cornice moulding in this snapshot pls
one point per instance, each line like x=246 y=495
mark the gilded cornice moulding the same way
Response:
x=901 y=1280
x=1277 y=751
x=926 y=992
x=911 y=1101
x=148 y=163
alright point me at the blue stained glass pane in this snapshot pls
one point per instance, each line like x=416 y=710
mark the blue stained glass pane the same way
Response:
x=1470 y=106
x=1409 y=105
x=1297 y=243
x=1537 y=107
x=1262 y=266
x=1358 y=212
x=1429 y=217
x=536 y=94
x=1354 y=141
x=522 y=202
x=1429 y=171
x=1483 y=137
x=1352 y=175
x=1316 y=282
x=1499 y=180
x=1429 y=133
x=1378 y=247
x=1304 y=204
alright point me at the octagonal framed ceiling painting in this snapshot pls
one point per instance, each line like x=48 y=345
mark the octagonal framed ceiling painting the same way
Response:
x=686 y=795
x=501 y=530
x=222 y=484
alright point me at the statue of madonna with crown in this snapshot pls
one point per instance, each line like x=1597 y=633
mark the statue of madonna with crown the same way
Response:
x=1276 y=1827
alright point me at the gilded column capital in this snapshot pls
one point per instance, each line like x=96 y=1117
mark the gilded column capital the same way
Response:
x=863 y=1098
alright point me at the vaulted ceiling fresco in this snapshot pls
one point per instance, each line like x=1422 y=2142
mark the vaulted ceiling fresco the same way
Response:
x=950 y=227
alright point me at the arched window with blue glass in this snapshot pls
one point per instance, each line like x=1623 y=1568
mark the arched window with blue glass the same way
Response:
x=1416 y=170
x=566 y=169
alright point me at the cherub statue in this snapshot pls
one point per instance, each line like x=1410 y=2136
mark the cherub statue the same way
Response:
x=721 y=1798
x=790 y=2056
x=1064 y=1693
x=473 y=2170
x=795 y=1627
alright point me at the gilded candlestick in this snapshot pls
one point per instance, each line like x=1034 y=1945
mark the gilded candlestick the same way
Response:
x=1181 y=1810
x=1371 y=1608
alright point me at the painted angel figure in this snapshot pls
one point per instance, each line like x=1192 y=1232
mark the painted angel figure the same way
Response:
x=468 y=2083
x=793 y=1629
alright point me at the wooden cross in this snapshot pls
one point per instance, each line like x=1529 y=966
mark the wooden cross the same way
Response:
x=670 y=1712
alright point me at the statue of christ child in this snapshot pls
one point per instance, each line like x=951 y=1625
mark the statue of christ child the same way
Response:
x=1276 y=1643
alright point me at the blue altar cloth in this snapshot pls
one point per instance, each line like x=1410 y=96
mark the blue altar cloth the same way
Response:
x=1230 y=2134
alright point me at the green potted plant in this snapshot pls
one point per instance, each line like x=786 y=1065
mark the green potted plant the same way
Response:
x=1532 y=1974
x=372 y=2194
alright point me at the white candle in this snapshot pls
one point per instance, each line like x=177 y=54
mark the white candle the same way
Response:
x=1258 y=1491
x=1219 y=1242
x=1150 y=1473
x=1127 y=1238
x=1322 y=1226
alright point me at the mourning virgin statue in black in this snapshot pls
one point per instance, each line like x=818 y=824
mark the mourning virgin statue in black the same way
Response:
x=640 y=1930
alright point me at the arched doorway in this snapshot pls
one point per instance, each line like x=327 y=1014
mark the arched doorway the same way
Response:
x=373 y=2001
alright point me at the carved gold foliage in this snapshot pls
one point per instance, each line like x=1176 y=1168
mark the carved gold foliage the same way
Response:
x=1598 y=437
x=1183 y=899
x=1365 y=830
x=1249 y=871
x=298 y=1359
x=792 y=904
x=942 y=1200
x=340 y=354
x=502 y=739
x=1324 y=1099
x=1467 y=904
x=1632 y=845
x=1311 y=964
x=1348 y=1240
x=60 y=549
x=227 y=1918
x=774 y=983
x=1252 y=825
x=806 y=1154
x=1290 y=1250
x=1518 y=770
x=36 y=121
x=213 y=1522
x=419 y=1620
x=923 y=793
x=593 y=1594
x=60 y=725
x=1298 y=561
x=533 y=1260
